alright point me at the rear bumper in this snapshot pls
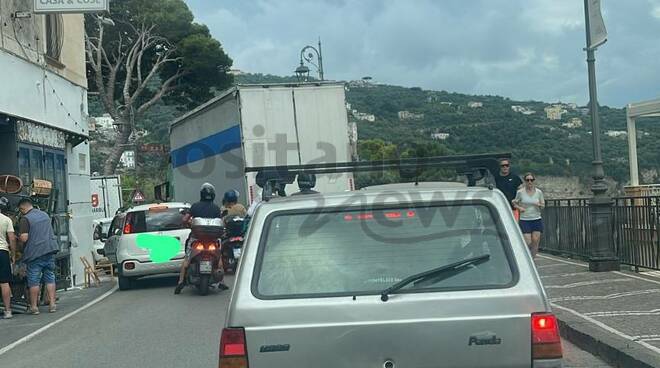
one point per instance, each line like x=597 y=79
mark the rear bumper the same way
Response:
x=151 y=268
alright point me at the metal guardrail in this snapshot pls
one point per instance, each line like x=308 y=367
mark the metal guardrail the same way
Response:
x=635 y=228
x=567 y=225
x=637 y=233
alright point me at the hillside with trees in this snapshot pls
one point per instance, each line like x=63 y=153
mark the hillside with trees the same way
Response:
x=538 y=144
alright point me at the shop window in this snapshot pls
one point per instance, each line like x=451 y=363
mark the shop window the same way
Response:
x=60 y=182
x=49 y=166
x=36 y=164
x=24 y=165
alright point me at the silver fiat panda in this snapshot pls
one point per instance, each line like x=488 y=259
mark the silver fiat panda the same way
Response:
x=428 y=275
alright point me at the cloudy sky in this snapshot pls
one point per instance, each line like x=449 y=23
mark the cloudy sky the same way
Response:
x=523 y=49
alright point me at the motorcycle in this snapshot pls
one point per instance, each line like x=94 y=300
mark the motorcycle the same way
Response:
x=205 y=248
x=232 y=244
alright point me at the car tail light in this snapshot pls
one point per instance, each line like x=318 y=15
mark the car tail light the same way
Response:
x=365 y=216
x=546 y=343
x=233 y=349
x=128 y=229
x=199 y=246
x=129 y=265
x=212 y=247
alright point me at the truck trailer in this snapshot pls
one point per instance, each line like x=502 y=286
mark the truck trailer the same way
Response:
x=260 y=125
x=106 y=196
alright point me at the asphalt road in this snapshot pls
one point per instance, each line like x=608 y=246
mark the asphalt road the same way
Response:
x=151 y=328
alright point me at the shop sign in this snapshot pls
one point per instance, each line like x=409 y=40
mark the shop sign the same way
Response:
x=39 y=134
x=71 y=6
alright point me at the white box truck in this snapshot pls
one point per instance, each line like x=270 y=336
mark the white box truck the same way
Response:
x=260 y=125
x=106 y=196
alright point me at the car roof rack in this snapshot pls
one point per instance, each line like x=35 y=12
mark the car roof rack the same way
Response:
x=273 y=179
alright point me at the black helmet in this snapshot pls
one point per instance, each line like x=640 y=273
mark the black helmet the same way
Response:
x=306 y=181
x=207 y=192
x=231 y=196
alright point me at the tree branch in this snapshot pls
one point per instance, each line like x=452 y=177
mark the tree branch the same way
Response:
x=131 y=59
x=160 y=62
x=164 y=90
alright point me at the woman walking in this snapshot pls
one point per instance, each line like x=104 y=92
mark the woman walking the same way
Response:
x=529 y=201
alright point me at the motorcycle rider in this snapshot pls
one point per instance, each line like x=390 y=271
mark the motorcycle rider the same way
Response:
x=205 y=208
x=231 y=206
x=305 y=183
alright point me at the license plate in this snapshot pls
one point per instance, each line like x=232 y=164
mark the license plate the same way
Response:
x=205 y=267
x=237 y=253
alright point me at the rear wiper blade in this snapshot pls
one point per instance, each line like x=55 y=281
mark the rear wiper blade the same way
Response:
x=449 y=270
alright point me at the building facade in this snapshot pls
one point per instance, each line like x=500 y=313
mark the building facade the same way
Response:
x=127 y=159
x=554 y=112
x=43 y=120
x=407 y=115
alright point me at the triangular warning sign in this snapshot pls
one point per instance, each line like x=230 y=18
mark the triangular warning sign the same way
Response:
x=138 y=196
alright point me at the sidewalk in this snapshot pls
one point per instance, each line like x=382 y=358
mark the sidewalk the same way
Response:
x=69 y=301
x=614 y=315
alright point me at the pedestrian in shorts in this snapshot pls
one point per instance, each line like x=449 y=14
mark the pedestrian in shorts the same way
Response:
x=7 y=254
x=529 y=201
x=40 y=247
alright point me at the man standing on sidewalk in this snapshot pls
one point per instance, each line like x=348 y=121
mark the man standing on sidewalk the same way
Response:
x=40 y=247
x=7 y=249
x=507 y=182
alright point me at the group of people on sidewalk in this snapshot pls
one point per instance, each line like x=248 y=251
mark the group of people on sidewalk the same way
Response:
x=526 y=201
x=39 y=247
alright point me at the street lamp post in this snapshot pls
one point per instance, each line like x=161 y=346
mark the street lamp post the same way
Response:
x=602 y=256
x=307 y=54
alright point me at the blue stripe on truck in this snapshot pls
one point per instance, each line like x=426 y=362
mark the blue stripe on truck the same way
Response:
x=212 y=145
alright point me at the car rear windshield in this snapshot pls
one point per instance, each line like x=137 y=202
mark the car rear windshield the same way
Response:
x=157 y=219
x=353 y=252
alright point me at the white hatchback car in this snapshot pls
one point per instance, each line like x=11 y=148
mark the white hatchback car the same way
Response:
x=100 y=227
x=147 y=240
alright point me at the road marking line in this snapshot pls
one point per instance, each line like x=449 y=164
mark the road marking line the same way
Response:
x=647 y=337
x=607 y=328
x=586 y=266
x=637 y=277
x=550 y=265
x=562 y=260
x=585 y=283
x=566 y=275
x=653 y=312
x=604 y=297
x=57 y=321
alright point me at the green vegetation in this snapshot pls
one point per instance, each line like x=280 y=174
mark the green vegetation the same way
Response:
x=539 y=145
